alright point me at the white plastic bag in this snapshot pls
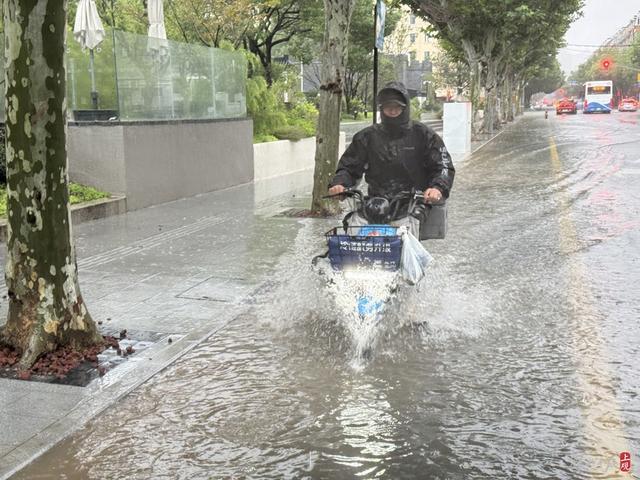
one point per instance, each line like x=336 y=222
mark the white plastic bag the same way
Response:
x=415 y=259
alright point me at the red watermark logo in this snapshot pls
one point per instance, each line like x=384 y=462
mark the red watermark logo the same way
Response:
x=625 y=462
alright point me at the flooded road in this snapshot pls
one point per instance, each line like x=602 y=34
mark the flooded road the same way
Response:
x=518 y=358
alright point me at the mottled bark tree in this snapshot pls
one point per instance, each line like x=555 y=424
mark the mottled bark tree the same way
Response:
x=337 y=15
x=46 y=309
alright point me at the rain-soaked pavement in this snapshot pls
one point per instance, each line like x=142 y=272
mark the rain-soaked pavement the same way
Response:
x=519 y=357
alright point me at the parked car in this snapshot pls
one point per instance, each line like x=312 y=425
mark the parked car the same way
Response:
x=566 y=105
x=628 y=104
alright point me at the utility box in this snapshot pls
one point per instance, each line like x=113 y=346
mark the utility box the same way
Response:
x=456 y=127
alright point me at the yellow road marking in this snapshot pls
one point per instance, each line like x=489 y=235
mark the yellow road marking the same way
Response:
x=600 y=409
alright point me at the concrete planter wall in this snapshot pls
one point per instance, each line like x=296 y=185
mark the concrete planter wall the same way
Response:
x=284 y=157
x=157 y=162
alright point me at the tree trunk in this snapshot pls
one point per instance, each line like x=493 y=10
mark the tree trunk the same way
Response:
x=46 y=309
x=520 y=97
x=491 y=103
x=507 y=100
x=337 y=15
x=511 y=112
x=473 y=61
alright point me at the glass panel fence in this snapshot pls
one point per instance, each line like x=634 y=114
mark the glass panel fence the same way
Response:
x=152 y=79
x=163 y=79
x=79 y=79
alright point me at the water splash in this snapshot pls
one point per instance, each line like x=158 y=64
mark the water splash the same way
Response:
x=361 y=297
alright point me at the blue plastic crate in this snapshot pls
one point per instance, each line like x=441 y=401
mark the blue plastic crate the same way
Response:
x=378 y=230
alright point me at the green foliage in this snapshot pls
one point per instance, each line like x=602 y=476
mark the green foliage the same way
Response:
x=77 y=194
x=129 y=15
x=625 y=63
x=416 y=109
x=634 y=53
x=304 y=115
x=79 y=76
x=263 y=137
x=546 y=78
x=358 y=76
x=3 y=156
x=450 y=72
x=499 y=41
x=264 y=107
x=272 y=118
x=81 y=193
x=387 y=70
x=357 y=105
x=291 y=132
x=3 y=201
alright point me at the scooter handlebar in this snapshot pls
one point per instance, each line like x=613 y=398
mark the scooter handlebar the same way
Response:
x=348 y=192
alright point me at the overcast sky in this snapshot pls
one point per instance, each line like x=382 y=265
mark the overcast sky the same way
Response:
x=600 y=20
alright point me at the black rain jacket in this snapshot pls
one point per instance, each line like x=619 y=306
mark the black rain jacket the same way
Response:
x=396 y=155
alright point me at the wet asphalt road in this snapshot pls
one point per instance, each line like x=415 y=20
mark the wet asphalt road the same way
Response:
x=519 y=358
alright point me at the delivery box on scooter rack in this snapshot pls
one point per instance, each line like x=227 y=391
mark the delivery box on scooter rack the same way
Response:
x=435 y=225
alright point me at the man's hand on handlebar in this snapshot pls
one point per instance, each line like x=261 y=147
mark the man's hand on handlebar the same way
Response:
x=336 y=189
x=432 y=195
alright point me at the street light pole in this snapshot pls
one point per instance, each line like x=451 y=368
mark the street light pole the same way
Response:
x=374 y=110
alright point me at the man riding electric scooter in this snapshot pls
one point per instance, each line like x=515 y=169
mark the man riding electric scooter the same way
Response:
x=397 y=154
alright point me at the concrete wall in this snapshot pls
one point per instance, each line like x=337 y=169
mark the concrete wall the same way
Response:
x=96 y=157
x=166 y=163
x=157 y=162
x=273 y=159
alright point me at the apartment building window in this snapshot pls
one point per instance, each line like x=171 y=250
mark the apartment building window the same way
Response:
x=412 y=19
x=412 y=38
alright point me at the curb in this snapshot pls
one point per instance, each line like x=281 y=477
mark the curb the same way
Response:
x=107 y=391
x=84 y=212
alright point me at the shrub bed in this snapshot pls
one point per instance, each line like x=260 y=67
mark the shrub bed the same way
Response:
x=77 y=194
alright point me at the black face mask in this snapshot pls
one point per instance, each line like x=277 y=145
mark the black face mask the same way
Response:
x=394 y=125
x=400 y=120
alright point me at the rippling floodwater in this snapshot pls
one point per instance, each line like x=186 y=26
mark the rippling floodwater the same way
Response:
x=517 y=359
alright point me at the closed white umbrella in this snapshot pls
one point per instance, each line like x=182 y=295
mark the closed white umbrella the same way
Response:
x=89 y=32
x=157 y=44
x=157 y=33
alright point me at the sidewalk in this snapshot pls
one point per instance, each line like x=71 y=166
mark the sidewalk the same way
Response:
x=177 y=271
x=173 y=275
